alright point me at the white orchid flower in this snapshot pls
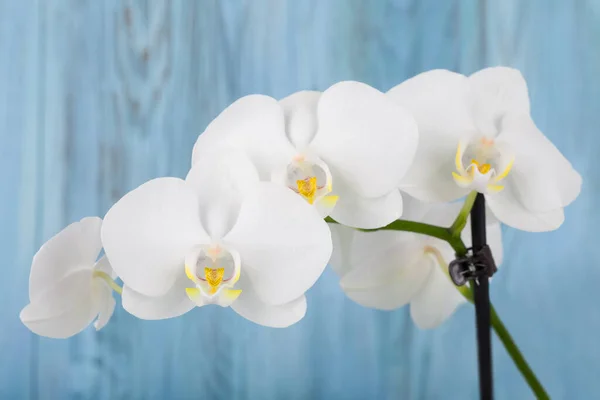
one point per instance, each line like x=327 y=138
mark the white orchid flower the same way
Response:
x=68 y=289
x=218 y=237
x=476 y=133
x=347 y=147
x=389 y=269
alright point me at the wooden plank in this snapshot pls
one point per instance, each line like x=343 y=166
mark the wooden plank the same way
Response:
x=99 y=97
x=20 y=56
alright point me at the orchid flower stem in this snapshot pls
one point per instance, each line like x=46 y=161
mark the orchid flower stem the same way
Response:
x=507 y=341
x=421 y=228
x=517 y=357
x=461 y=220
x=509 y=344
x=511 y=348
x=106 y=278
x=452 y=237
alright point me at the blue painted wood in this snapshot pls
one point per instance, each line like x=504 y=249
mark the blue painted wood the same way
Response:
x=99 y=96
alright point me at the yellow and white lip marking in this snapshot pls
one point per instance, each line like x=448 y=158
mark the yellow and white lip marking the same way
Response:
x=214 y=277
x=307 y=188
x=480 y=175
x=212 y=286
x=312 y=180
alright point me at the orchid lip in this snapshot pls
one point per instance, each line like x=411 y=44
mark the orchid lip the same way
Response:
x=310 y=178
x=480 y=174
x=214 y=278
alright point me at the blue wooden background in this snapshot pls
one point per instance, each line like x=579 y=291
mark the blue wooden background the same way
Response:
x=98 y=96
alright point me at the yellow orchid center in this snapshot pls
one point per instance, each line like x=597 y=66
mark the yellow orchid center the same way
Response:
x=307 y=188
x=482 y=167
x=310 y=178
x=214 y=277
x=214 y=271
x=480 y=151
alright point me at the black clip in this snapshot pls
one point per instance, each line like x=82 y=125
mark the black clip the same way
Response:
x=472 y=266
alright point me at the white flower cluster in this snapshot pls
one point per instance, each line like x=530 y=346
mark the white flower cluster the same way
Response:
x=245 y=229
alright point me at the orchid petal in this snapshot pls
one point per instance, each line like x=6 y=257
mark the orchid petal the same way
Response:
x=438 y=100
x=387 y=268
x=356 y=211
x=507 y=208
x=326 y=205
x=62 y=310
x=103 y=265
x=221 y=179
x=355 y=249
x=390 y=279
x=367 y=139
x=105 y=303
x=256 y=125
x=147 y=234
x=283 y=243
x=250 y=306
x=300 y=111
x=436 y=301
x=440 y=214
x=494 y=93
x=75 y=247
x=342 y=238
x=173 y=303
x=225 y=297
x=544 y=179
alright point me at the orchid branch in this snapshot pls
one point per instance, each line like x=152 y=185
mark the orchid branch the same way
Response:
x=421 y=228
x=452 y=237
x=507 y=341
x=517 y=356
x=511 y=348
x=461 y=220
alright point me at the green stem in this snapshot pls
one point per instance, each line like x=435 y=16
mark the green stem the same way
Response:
x=517 y=357
x=113 y=285
x=511 y=347
x=461 y=220
x=452 y=236
x=420 y=228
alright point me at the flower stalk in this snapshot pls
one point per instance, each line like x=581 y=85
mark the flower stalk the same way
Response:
x=452 y=236
x=517 y=356
x=418 y=227
x=461 y=220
